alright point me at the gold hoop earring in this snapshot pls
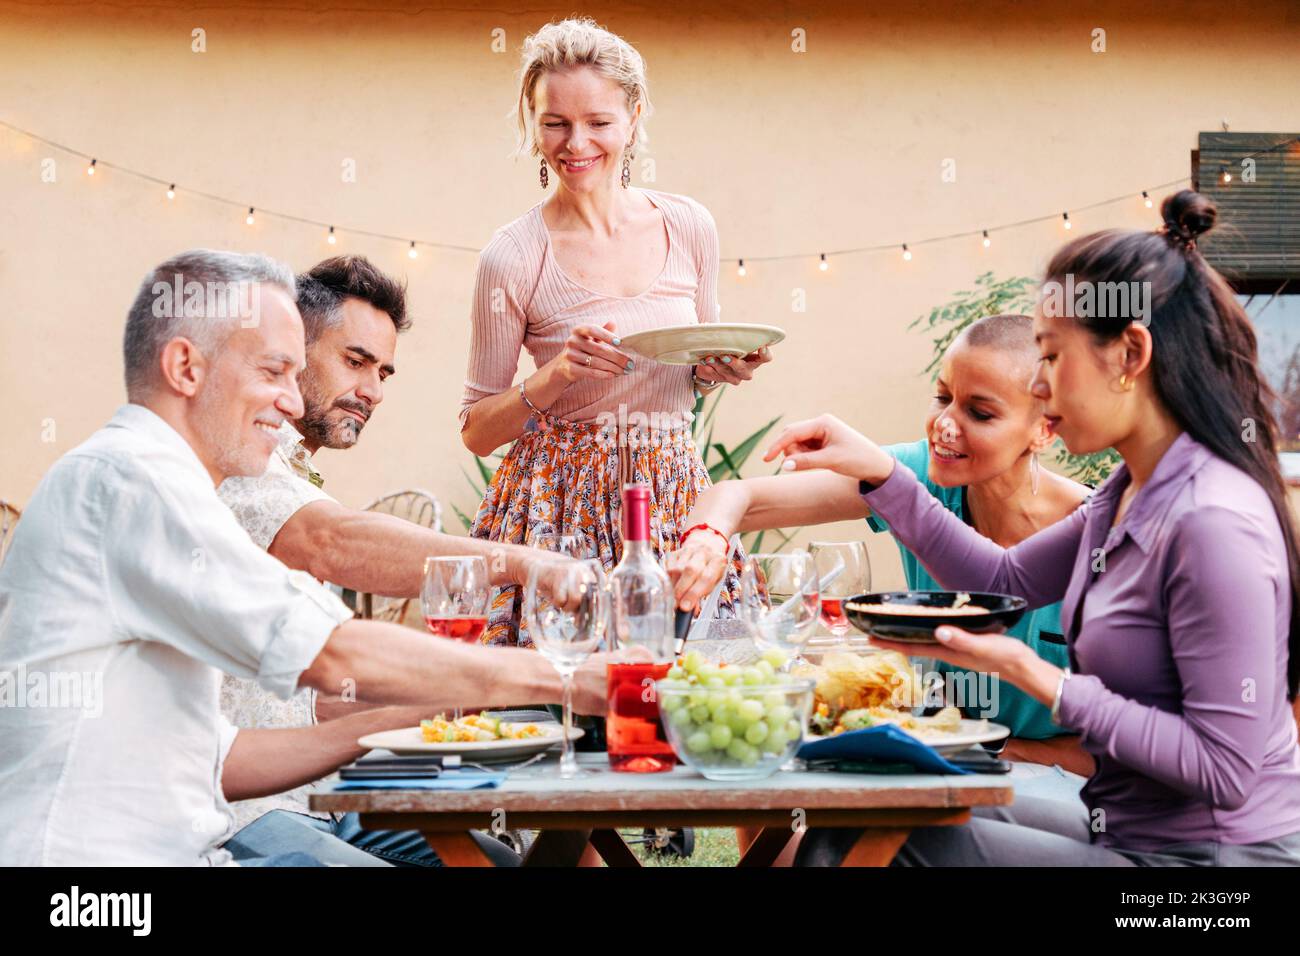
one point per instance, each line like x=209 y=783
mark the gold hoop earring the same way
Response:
x=544 y=175
x=627 y=165
x=1123 y=382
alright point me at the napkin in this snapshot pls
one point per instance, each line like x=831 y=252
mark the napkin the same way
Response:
x=462 y=779
x=883 y=742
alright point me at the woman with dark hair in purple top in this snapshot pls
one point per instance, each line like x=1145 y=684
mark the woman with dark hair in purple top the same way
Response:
x=1178 y=578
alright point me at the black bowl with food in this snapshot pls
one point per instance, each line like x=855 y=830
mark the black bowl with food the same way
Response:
x=911 y=616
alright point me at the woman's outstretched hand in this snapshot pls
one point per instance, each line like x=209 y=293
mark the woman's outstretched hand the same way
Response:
x=826 y=442
x=1007 y=658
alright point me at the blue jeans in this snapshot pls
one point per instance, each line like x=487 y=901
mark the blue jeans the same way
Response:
x=344 y=843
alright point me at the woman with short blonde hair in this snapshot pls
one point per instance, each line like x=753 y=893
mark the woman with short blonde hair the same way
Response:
x=597 y=260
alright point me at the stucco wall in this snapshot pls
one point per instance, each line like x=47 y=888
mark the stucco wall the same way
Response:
x=836 y=147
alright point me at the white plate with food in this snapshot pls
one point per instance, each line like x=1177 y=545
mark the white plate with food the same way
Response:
x=477 y=738
x=689 y=344
x=969 y=733
x=948 y=743
x=857 y=691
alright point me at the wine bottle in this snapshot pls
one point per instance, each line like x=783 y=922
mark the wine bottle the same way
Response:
x=642 y=615
x=642 y=605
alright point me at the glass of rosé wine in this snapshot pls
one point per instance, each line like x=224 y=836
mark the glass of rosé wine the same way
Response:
x=848 y=568
x=454 y=599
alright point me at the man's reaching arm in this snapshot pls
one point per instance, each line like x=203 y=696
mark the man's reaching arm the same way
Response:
x=378 y=553
x=396 y=665
x=271 y=760
x=390 y=664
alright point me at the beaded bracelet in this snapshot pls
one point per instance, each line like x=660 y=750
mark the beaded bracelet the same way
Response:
x=537 y=421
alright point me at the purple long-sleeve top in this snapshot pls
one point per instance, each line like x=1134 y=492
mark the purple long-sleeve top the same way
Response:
x=1177 y=624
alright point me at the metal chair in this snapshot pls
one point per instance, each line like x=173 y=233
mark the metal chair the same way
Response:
x=418 y=507
x=9 y=516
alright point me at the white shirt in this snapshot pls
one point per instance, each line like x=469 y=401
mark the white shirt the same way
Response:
x=128 y=571
x=263 y=505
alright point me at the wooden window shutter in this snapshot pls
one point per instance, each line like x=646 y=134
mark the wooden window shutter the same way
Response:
x=1256 y=243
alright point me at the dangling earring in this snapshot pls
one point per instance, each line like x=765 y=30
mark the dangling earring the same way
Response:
x=544 y=176
x=1033 y=473
x=627 y=165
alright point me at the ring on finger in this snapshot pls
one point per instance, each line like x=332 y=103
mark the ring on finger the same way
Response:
x=588 y=362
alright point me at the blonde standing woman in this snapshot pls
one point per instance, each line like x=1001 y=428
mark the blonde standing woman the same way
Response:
x=597 y=260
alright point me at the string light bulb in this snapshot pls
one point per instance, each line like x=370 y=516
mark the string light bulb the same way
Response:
x=1225 y=175
x=740 y=270
x=331 y=239
x=411 y=251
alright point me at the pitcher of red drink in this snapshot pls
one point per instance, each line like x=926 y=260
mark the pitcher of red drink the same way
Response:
x=641 y=610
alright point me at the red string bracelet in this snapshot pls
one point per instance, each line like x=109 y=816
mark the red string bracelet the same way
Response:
x=707 y=527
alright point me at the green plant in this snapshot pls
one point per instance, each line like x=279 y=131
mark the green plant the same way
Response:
x=992 y=297
x=989 y=297
x=722 y=463
x=485 y=477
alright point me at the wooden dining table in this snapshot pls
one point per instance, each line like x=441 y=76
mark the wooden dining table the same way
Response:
x=588 y=810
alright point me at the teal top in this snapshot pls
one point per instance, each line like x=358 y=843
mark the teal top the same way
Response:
x=984 y=695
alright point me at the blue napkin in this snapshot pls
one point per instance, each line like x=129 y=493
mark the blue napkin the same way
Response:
x=456 y=779
x=883 y=742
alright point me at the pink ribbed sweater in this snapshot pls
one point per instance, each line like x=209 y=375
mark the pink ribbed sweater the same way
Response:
x=523 y=299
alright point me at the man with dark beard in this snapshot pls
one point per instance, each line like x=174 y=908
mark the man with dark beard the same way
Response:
x=352 y=314
x=352 y=305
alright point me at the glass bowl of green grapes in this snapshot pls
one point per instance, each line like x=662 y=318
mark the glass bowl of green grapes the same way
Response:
x=734 y=722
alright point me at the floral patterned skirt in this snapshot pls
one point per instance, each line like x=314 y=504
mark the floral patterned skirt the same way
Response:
x=569 y=478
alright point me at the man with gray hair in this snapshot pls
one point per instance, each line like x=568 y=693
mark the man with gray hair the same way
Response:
x=127 y=564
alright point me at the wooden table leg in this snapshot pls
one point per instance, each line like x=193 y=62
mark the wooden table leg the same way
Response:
x=877 y=846
x=557 y=848
x=457 y=849
x=612 y=848
x=766 y=847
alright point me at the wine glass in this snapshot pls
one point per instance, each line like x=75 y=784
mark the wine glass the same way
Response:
x=454 y=599
x=779 y=600
x=566 y=606
x=573 y=544
x=844 y=571
x=569 y=544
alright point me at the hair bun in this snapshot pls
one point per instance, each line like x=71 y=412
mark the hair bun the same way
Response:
x=1188 y=214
